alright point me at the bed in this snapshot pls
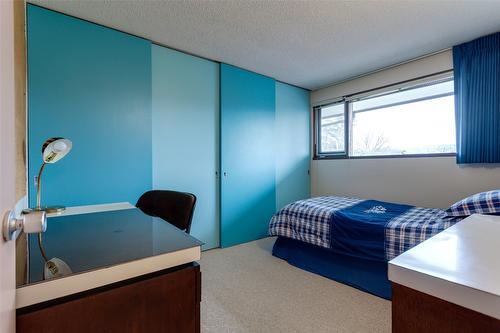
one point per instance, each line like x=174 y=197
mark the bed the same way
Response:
x=350 y=240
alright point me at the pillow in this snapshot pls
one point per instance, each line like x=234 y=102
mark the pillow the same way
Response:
x=480 y=203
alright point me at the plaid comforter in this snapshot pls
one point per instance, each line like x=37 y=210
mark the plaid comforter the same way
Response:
x=309 y=221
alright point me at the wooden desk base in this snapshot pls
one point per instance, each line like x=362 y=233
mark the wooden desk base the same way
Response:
x=167 y=301
x=416 y=312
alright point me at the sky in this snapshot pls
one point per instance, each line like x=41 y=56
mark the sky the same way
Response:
x=428 y=122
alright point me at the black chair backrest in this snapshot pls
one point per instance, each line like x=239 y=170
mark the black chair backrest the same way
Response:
x=176 y=208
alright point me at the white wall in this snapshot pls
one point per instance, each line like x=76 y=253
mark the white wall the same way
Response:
x=425 y=66
x=422 y=181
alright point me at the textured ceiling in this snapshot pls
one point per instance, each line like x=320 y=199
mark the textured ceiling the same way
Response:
x=307 y=43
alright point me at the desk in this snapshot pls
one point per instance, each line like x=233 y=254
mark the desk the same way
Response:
x=126 y=267
x=450 y=282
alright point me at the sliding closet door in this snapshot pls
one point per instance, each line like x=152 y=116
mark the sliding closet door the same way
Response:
x=248 y=189
x=185 y=133
x=293 y=144
x=92 y=85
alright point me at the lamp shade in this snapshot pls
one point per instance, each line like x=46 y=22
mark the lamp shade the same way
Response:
x=55 y=148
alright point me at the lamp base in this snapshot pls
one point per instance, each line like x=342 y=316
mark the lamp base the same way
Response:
x=48 y=210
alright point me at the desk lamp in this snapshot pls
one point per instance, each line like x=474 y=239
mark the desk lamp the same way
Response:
x=53 y=150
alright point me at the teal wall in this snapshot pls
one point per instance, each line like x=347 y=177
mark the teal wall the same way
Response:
x=248 y=188
x=142 y=116
x=292 y=144
x=92 y=85
x=185 y=133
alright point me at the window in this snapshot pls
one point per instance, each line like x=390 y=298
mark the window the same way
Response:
x=414 y=120
x=332 y=123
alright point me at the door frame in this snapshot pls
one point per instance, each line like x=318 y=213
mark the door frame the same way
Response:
x=12 y=143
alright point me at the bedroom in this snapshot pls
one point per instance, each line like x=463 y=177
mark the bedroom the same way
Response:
x=298 y=146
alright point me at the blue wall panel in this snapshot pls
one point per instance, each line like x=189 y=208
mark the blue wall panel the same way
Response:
x=185 y=133
x=248 y=188
x=92 y=85
x=292 y=143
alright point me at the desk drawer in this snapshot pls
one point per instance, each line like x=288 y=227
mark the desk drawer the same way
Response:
x=167 y=301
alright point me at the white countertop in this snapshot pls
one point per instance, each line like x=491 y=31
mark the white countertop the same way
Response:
x=460 y=265
x=92 y=209
x=60 y=287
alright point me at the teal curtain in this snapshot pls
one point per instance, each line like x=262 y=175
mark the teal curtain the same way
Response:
x=477 y=100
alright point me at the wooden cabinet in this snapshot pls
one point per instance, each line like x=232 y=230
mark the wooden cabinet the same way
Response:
x=416 y=312
x=449 y=283
x=165 y=301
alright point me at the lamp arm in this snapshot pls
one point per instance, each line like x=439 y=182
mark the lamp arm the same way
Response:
x=38 y=186
x=40 y=246
x=38 y=206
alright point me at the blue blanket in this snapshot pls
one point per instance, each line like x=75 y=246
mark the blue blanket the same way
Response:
x=312 y=220
x=359 y=230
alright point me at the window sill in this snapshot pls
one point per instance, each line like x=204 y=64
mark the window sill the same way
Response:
x=333 y=157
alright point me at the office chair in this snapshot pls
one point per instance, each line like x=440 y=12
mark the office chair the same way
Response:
x=176 y=208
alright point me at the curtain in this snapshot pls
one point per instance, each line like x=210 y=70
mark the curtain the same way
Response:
x=477 y=100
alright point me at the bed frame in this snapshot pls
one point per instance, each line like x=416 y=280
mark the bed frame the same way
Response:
x=363 y=274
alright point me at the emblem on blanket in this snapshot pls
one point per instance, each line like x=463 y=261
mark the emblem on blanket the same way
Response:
x=376 y=210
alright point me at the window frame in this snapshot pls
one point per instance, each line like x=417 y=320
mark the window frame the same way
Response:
x=348 y=114
x=317 y=121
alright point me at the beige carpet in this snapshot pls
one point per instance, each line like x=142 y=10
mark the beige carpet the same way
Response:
x=245 y=289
